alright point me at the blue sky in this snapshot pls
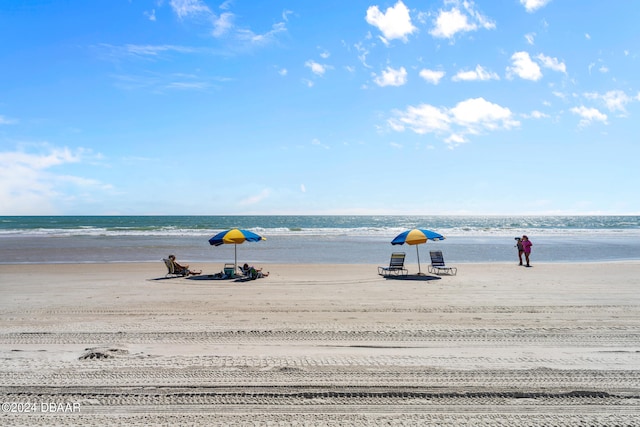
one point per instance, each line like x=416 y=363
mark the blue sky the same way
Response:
x=309 y=107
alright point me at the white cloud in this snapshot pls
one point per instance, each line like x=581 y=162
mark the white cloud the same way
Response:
x=159 y=83
x=477 y=114
x=391 y=77
x=560 y=95
x=362 y=54
x=261 y=39
x=533 y=5
x=148 y=51
x=188 y=85
x=185 y=8
x=470 y=117
x=535 y=114
x=432 y=76
x=51 y=157
x=482 y=21
x=255 y=199
x=303 y=188
x=6 y=121
x=151 y=15
x=524 y=67
x=530 y=37
x=451 y=22
x=589 y=115
x=394 y=24
x=316 y=68
x=552 y=63
x=462 y=17
x=317 y=143
x=478 y=74
x=223 y=24
x=614 y=100
x=422 y=119
x=455 y=139
x=29 y=187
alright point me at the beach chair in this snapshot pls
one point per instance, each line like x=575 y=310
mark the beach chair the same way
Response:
x=252 y=273
x=171 y=269
x=396 y=266
x=438 y=266
x=246 y=274
x=243 y=272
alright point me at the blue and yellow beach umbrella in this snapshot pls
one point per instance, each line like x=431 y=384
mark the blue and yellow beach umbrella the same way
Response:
x=235 y=236
x=416 y=236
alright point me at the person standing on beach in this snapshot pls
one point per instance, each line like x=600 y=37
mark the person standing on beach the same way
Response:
x=526 y=247
x=520 y=248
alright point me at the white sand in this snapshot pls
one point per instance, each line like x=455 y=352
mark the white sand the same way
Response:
x=498 y=344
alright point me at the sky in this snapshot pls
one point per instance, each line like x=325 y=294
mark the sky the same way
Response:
x=238 y=107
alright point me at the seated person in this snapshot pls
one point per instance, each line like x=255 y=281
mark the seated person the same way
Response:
x=182 y=269
x=252 y=272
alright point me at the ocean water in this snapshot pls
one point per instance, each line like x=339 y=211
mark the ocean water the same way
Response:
x=314 y=239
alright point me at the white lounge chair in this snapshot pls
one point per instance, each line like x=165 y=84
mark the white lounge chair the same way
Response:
x=172 y=270
x=396 y=266
x=438 y=266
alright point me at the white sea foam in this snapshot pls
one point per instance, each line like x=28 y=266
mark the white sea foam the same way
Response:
x=313 y=239
x=462 y=231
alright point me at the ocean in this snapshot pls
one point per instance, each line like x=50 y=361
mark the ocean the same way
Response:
x=340 y=239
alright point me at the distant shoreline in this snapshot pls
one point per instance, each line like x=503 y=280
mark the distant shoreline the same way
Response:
x=315 y=239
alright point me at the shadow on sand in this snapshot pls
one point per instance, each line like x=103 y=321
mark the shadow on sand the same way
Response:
x=420 y=277
x=196 y=277
x=210 y=277
x=200 y=277
x=166 y=278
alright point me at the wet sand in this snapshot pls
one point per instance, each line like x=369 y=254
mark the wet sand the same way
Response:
x=497 y=344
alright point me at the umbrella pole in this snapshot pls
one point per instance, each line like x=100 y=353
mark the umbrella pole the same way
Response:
x=418 y=253
x=235 y=258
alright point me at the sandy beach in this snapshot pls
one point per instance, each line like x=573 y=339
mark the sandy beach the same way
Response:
x=495 y=345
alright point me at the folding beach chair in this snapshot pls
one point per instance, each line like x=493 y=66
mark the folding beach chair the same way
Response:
x=396 y=266
x=171 y=269
x=437 y=264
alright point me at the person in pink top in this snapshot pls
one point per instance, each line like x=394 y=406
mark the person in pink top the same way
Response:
x=526 y=247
